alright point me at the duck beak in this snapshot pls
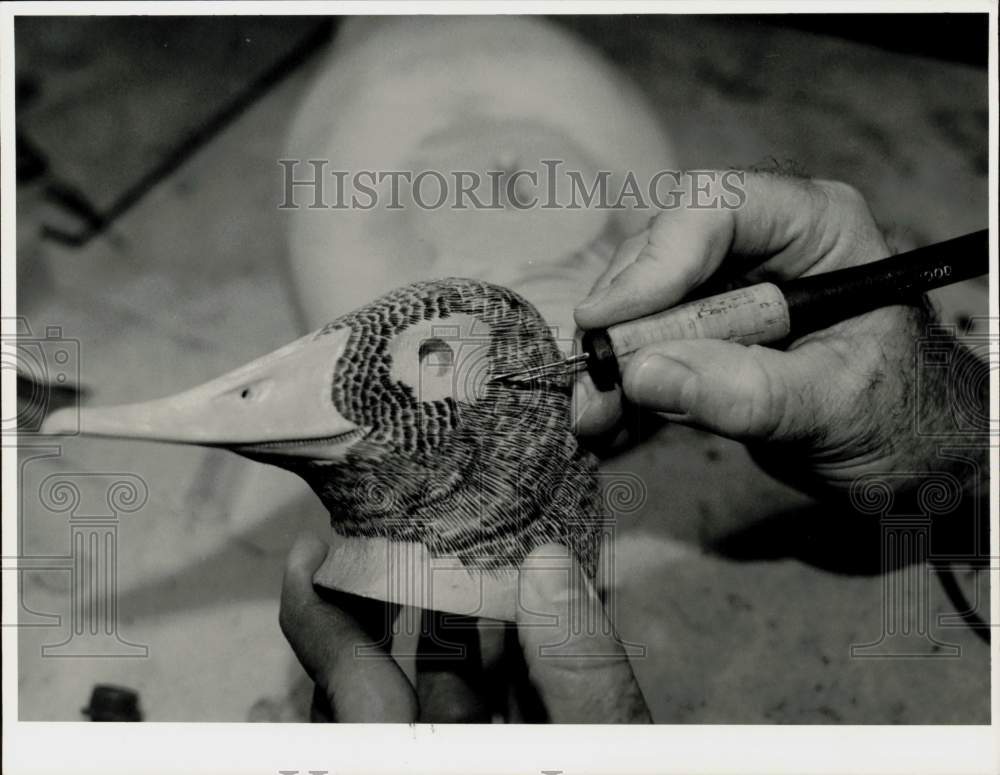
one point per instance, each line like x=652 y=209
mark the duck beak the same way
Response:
x=279 y=404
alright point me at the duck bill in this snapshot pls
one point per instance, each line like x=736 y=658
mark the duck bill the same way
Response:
x=280 y=404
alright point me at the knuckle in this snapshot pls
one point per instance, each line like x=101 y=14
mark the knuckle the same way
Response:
x=843 y=225
x=650 y=255
x=629 y=249
x=766 y=411
x=843 y=195
x=688 y=243
x=863 y=385
x=860 y=361
x=756 y=406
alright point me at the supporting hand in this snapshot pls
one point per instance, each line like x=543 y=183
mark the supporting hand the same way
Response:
x=575 y=663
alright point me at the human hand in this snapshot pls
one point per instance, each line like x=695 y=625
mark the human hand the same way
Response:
x=576 y=674
x=834 y=405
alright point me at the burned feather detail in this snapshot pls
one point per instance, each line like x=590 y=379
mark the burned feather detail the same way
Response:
x=481 y=472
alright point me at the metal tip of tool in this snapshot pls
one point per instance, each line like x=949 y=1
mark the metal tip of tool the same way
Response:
x=557 y=368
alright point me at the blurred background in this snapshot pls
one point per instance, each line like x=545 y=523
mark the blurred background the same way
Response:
x=148 y=234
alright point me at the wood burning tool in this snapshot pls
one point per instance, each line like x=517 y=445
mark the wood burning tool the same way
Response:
x=768 y=313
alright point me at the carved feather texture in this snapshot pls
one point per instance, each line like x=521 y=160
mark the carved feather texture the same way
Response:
x=485 y=473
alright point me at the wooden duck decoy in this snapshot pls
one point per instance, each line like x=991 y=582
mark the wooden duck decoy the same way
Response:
x=390 y=416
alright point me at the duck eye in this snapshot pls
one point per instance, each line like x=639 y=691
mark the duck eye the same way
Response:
x=440 y=358
x=436 y=355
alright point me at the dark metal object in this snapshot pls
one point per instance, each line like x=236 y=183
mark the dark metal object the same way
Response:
x=37 y=398
x=31 y=162
x=113 y=703
x=602 y=363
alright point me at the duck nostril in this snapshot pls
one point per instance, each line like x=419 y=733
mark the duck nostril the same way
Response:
x=253 y=391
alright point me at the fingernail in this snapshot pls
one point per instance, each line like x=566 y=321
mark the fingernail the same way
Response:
x=658 y=383
x=595 y=296
x=599 y=292
x=545 y=578
x=582 y=395
x=587 y=402
x=558 y=587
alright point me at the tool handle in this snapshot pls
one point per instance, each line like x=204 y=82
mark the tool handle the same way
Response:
x=754 y=314
x=763 y=313
x=819 y=301
x=757 y=313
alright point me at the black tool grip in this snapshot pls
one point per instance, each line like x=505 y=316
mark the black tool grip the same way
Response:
x=819 y=301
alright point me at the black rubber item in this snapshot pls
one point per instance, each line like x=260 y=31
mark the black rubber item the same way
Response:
x=113 y=703
x=602 y=363
x=820 y=300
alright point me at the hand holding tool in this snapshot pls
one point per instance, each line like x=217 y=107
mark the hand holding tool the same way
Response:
x=766 y=313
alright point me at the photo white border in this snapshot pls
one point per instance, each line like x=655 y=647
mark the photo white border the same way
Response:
x=83 y=747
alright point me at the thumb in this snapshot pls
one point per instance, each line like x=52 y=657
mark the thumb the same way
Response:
x=745 y=393
x=329 y=638
x=575 y=660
